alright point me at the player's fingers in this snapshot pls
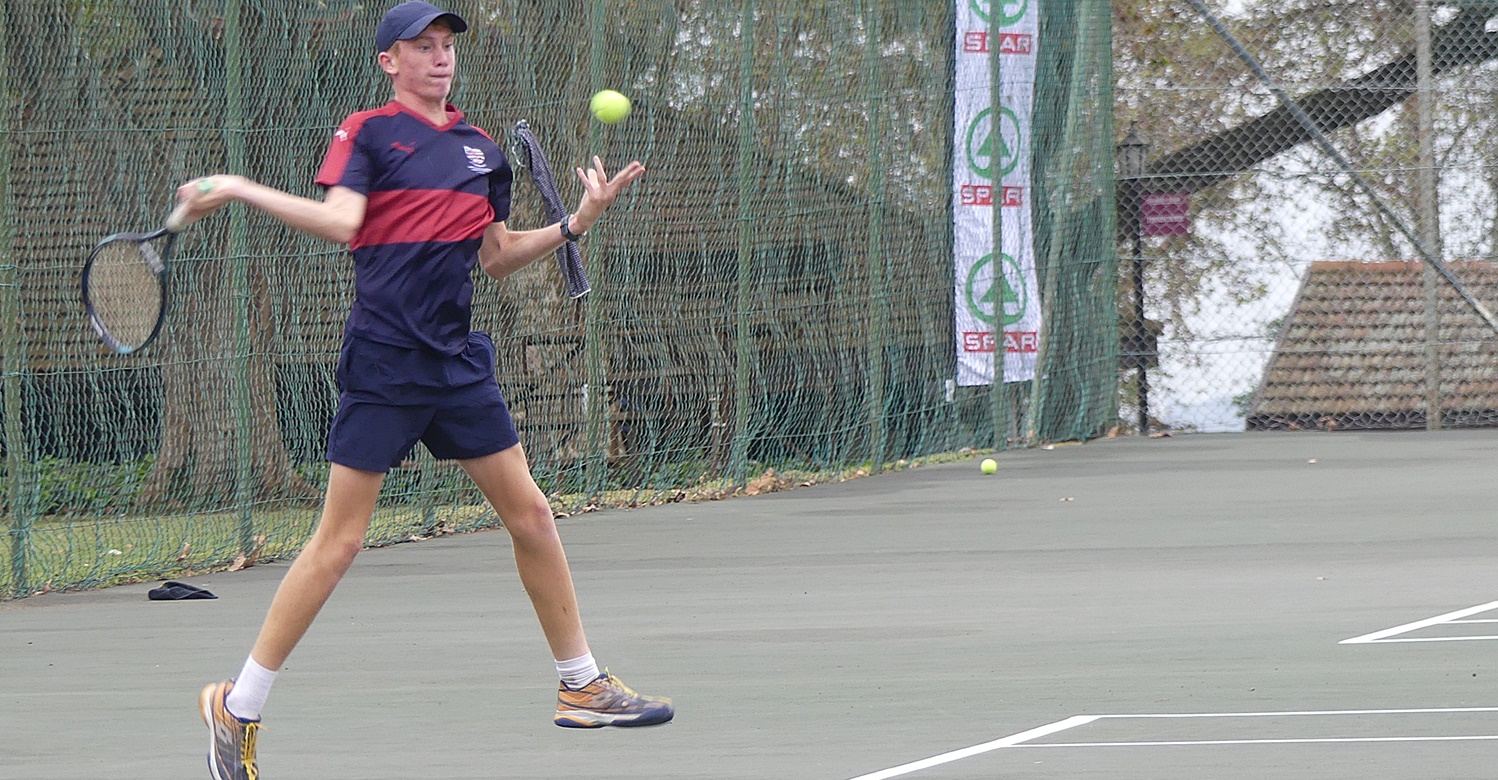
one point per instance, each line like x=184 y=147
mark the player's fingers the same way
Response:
x=201 y=193
x=631 y=172
x=188 y=190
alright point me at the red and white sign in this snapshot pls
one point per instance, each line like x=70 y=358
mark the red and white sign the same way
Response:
x=1165 y=213
x=1015 y=341
x=993 y=242
x=982 y=195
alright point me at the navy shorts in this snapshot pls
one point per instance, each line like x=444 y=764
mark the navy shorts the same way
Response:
x=392 y=397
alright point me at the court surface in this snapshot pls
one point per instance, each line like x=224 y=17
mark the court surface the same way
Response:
x=1163 y=608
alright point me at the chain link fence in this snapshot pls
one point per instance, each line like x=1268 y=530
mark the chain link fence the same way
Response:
x=1283 y=295
x=772 y=303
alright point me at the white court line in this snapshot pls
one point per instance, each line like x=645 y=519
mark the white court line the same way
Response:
x=1320 y=740
x=1379 y=636
x=957 y=755
x=1427 y=639
x=1019 y=740
x=1296 y=713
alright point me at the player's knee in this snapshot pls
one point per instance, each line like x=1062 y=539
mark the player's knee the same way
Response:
x=335 y=549
x=533 y=520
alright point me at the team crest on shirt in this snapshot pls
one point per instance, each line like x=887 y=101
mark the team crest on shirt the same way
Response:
x=477 y=161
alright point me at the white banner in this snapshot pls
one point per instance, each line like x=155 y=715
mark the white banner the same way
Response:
x=991 y=159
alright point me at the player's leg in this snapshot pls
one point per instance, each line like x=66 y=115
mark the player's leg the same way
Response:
x=232 y=708
x=505 y=479
x=364 y=440
x=317 y=570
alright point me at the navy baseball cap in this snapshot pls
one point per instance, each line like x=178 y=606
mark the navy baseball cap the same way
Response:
x=407 y=20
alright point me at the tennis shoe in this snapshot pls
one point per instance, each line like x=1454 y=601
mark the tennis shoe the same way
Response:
x=609 y=702
x=231 y=746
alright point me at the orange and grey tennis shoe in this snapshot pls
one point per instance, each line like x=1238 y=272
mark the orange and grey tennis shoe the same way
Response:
x=609 y=702
x=231 y=741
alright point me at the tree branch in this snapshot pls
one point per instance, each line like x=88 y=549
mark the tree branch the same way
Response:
x=1460 y=42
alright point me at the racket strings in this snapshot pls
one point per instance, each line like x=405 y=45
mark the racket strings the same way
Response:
x=125 y=292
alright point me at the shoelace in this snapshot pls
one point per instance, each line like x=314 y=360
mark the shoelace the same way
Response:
x=247 y=750
x=617 y=683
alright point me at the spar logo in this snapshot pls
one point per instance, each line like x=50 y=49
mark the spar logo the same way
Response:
x=1010 y=11
x=986 y=149
x=985 y=299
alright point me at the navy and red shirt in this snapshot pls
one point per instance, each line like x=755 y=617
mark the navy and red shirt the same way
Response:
x=432 y=192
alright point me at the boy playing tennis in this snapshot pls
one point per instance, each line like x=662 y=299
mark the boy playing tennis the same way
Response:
x=419 y=196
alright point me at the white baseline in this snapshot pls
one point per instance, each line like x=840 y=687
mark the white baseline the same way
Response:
x=1449 y=617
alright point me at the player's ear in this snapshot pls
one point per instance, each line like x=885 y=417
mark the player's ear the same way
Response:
x=387 y=60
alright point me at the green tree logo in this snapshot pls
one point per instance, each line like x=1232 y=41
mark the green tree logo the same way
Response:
x=1010 y=11
x=985 y=148
x=1008 y=296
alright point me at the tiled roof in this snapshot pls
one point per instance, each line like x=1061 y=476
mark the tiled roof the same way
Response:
x=1352 y=352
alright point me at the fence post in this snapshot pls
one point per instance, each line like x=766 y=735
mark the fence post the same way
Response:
x=999 y=395
x=596 y=395
x=12 y=344
x=1428 y=220
x=237 y=159
x=878 y=335
x=743 y=335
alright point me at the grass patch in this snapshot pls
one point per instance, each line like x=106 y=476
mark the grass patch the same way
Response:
x=86 y=541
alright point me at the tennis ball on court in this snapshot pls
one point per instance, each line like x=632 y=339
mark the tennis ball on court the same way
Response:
x=609 y=106
x=989 y=465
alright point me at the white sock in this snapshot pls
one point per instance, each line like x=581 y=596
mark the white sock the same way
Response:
x=251 y=689
x=578 y=672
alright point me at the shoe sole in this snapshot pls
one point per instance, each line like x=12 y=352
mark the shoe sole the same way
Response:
x=597 y=720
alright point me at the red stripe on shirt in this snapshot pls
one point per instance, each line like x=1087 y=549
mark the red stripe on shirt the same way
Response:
x=418 y=216
x=342 y=146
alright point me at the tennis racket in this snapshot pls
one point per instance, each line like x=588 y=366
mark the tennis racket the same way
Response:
x=125 y=283
x=532 y=160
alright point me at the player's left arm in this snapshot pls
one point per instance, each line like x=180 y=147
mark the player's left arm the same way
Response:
x=506 y=251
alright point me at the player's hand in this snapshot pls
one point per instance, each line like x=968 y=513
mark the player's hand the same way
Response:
x=207 y=194
x=600 y=190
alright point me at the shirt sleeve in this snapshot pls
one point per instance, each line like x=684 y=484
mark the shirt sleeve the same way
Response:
x=499 y=189
x=346 y=164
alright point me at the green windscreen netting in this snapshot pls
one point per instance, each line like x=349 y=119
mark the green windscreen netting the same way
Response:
x=774 y=299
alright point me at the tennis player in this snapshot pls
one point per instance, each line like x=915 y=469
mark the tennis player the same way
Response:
x=420 y=196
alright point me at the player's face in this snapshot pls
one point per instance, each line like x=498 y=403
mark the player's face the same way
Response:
x=423 y=66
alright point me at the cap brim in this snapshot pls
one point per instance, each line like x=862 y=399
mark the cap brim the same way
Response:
x=453 y=20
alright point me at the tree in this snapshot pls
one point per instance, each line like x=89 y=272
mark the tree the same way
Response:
x=1226 y=139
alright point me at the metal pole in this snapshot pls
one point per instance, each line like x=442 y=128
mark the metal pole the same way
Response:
x=1000 y=398
x=743 y=337
x=596 y=392
x=878 y=336
x=13 y=354
x=1429 y=220
x=238 y=162
x=1141 y=332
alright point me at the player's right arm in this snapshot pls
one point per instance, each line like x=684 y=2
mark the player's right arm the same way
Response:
x=346 y=170
x=336 y=217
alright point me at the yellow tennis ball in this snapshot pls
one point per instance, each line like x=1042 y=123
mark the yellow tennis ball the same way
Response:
x=989 y=465
x=609 y=106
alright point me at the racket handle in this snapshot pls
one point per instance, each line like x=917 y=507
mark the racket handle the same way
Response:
x=177 y=220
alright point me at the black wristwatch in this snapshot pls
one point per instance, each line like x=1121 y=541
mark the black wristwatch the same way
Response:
x=567 y=231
